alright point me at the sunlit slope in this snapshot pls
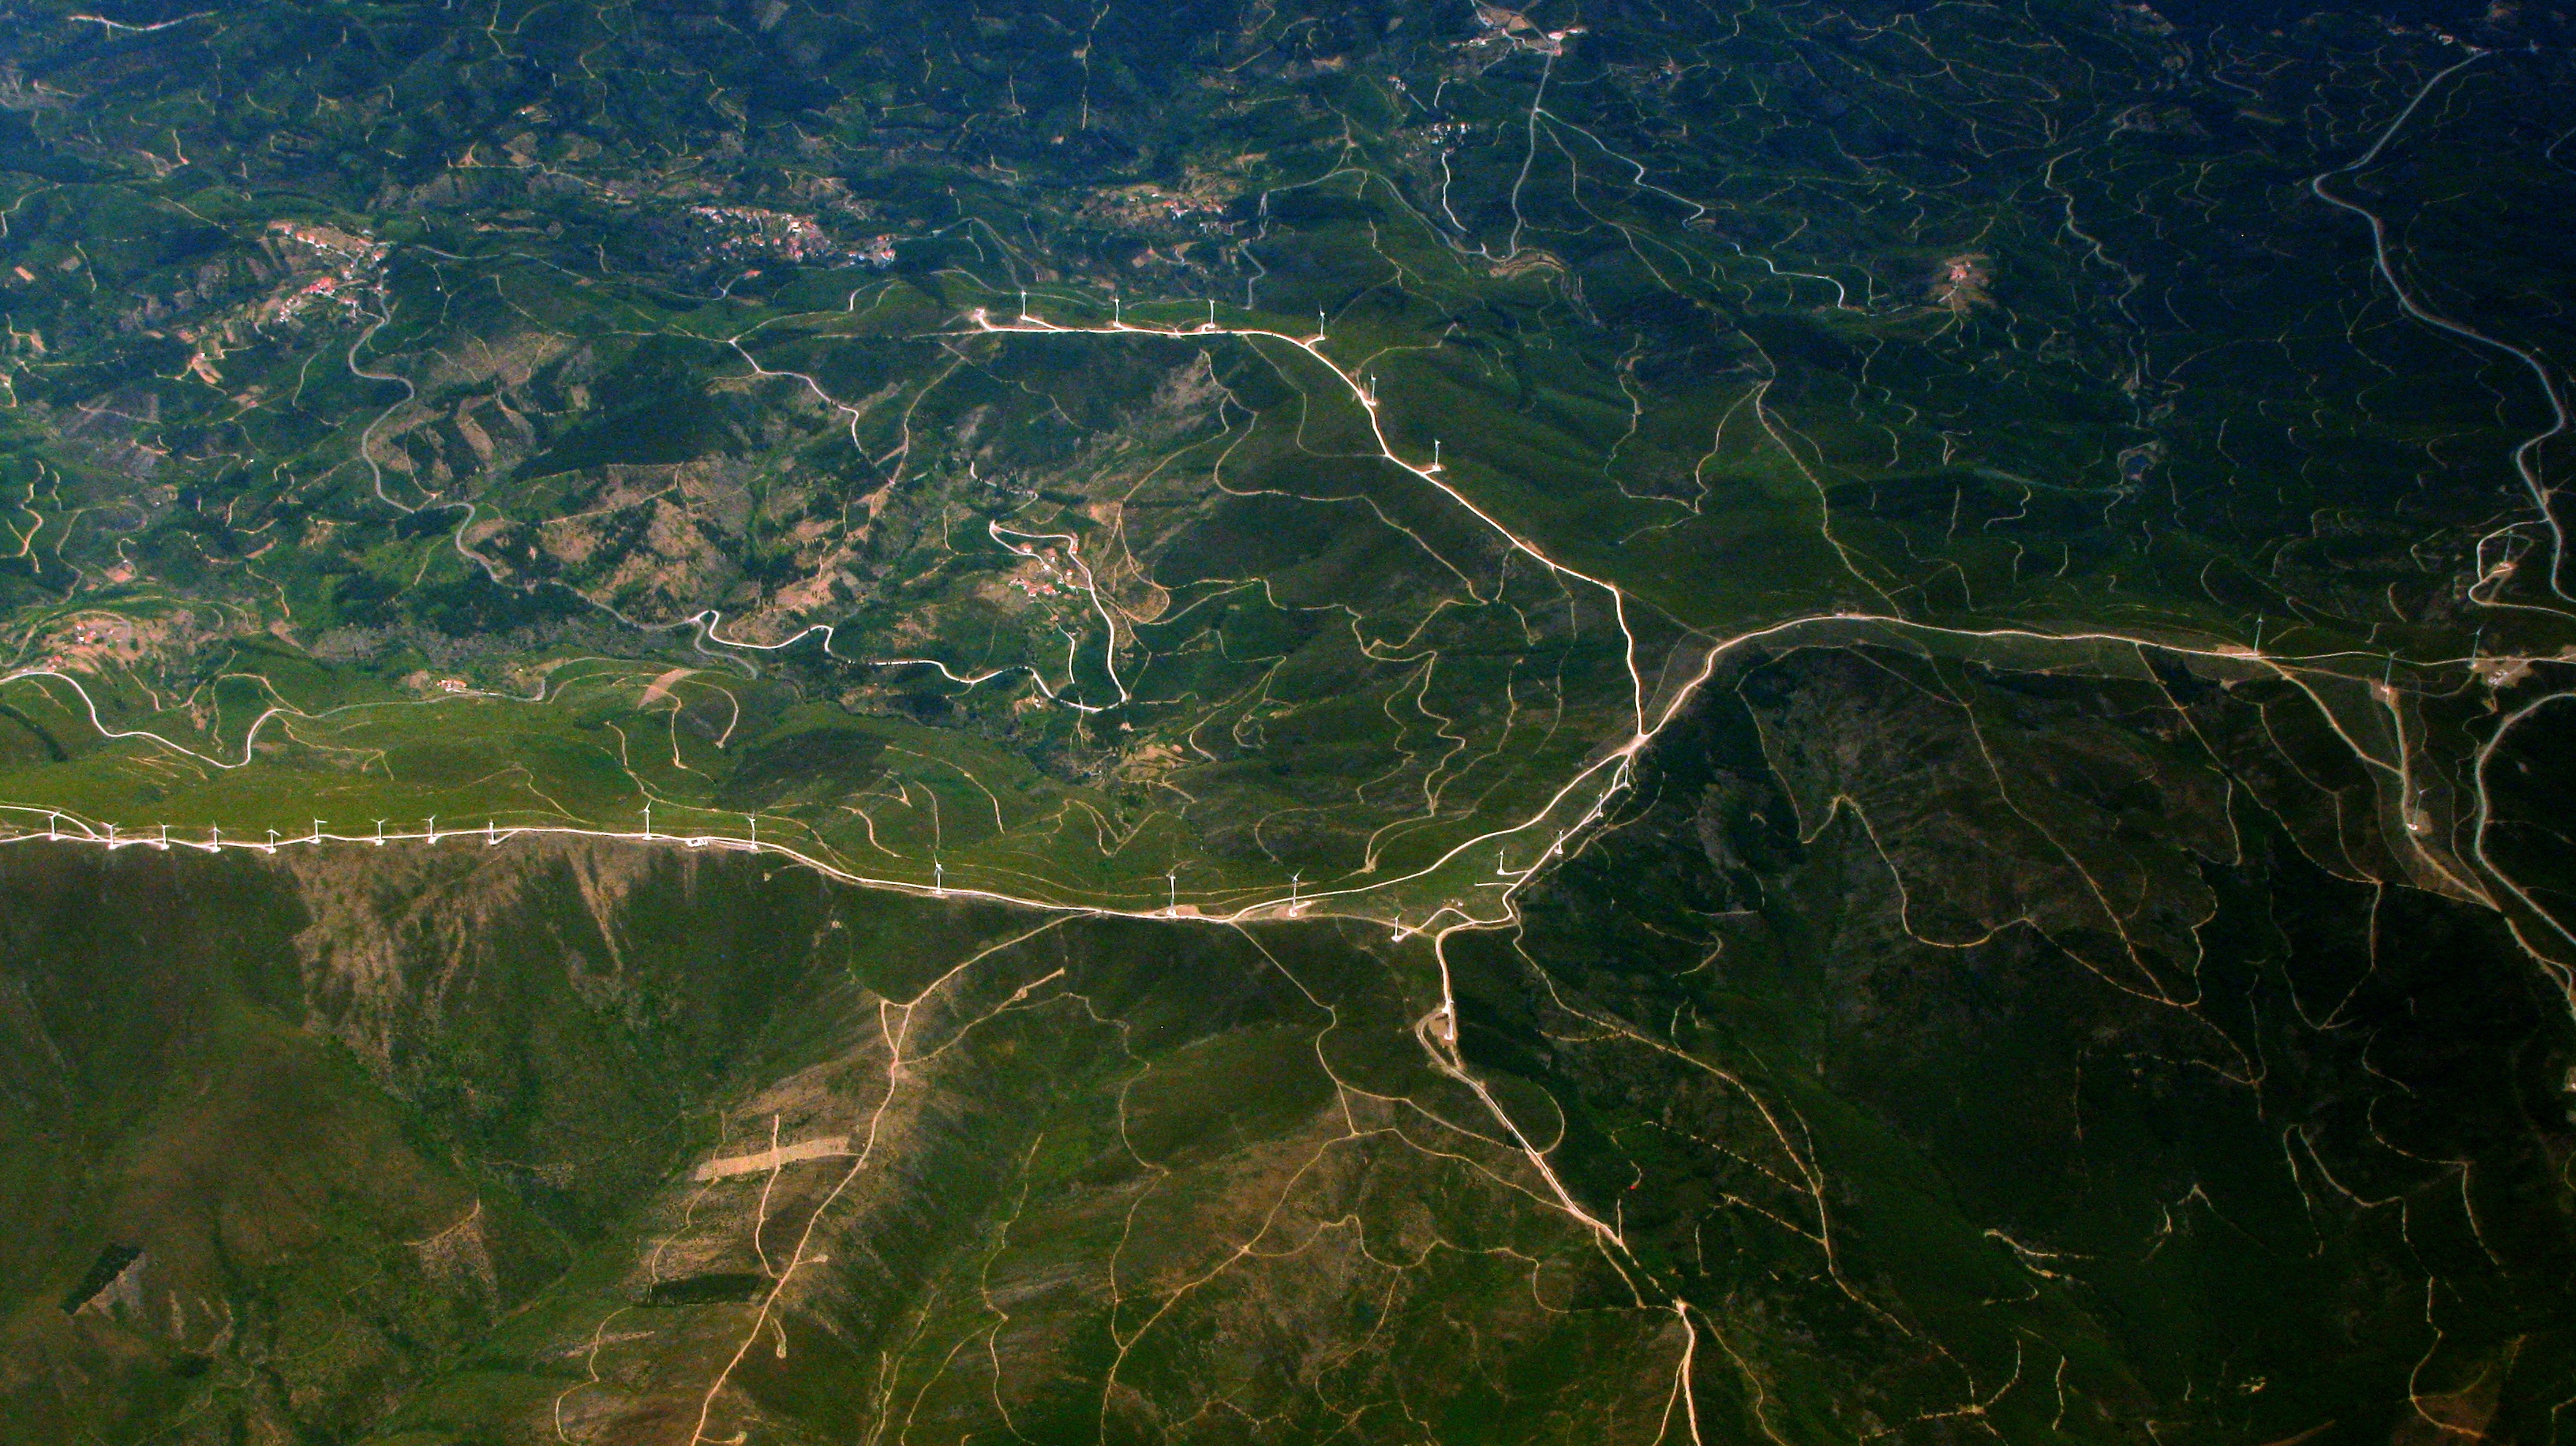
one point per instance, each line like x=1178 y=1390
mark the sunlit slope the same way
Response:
x=581 y=1141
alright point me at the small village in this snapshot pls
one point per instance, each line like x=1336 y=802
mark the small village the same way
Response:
x=758 y=234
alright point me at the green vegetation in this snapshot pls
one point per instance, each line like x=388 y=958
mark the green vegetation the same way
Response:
x=1398 y=721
